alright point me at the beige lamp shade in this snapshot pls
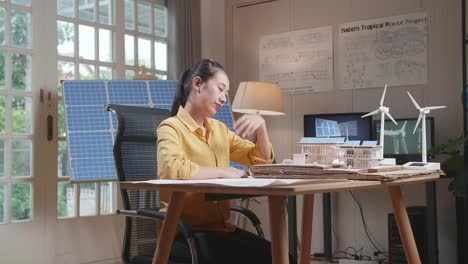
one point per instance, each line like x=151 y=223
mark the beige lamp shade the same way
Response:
x=259 y=98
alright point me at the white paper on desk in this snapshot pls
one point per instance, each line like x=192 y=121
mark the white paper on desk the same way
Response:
x=243 y=182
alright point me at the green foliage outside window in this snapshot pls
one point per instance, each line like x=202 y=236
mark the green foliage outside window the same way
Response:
x=21 y=201
x=2 y=203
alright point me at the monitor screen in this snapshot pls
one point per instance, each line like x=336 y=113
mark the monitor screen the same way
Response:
x=400 y=140
x=348 y=125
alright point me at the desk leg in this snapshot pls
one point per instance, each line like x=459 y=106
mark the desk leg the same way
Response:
x=279 y=239
x=404 y=227
x=169 y=228
x=306 y=236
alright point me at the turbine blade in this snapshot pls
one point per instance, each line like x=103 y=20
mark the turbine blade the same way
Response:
x=417 y=123
x=383 y=95
x=404 y=126
x=414 y=101
x=391 y=118
x=371 y=113
x=434 y=107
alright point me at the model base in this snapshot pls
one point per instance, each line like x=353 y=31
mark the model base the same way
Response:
x=387 y=162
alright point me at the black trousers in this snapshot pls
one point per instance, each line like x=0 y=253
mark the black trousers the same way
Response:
x=238 y=247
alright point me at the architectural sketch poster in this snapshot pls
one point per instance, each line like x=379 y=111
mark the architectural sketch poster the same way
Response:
x=389 y=50
x=300 y=61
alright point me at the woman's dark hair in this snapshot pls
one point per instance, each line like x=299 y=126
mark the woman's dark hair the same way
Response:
x=205 y=69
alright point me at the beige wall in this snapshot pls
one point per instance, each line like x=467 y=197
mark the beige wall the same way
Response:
x=247 y=20
x=213 y=30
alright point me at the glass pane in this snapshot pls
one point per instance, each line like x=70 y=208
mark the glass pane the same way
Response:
x=105 y=12
x=144 y=52
x=144 y=17
x=105 y=45
x=21 y=72
x=129 y=74
x=2 y=70
x=160 y=56
x=86 y=9
x=21 y=158
x=66 y=200
x=105 y=73
x=2 y=158
x=21 y=29
x=2 y=203
x=160 y=21
x=65 y=39
x=2 y=113
x=129 y=14
x=63 y=159
x=87 y=199
x=87 y=72
x=21 y=201
x=65 y=71
x=87 y=40
x=161 y=76
x=22 y=2
x=21 y=115
x=2 y=25
x=107 y=198
x=62 y=132
x=66 y=8
x=129 y=50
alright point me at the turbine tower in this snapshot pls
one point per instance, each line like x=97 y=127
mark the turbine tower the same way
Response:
x=422 y=115
x=384 y=111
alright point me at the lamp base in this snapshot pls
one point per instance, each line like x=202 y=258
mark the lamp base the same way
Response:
x=422 y=166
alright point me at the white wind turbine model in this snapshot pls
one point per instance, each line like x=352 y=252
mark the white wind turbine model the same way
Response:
x=384 y=111
x=422 y=115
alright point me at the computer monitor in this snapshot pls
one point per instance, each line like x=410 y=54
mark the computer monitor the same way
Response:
x=400 y=142
x=349 y=125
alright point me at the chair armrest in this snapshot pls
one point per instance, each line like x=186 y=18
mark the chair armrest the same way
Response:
x=154 y=214
x=251 y=216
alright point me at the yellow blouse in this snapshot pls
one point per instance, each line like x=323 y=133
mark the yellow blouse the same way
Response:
x=182 y=149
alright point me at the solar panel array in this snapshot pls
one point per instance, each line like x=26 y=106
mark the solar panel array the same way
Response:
x=327 y=128
x=91 y=130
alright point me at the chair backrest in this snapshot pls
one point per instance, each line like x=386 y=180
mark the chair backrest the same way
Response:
x=135 y=156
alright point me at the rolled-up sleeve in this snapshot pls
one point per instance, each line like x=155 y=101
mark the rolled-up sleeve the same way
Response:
x=172 y=162
x=245 y=152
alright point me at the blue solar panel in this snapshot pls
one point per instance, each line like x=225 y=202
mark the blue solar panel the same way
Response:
x=91 y=130
x=85 y=93
x=129 y=93
x=89 y=118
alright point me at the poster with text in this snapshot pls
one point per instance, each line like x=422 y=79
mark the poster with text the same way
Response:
x=300 y=61
x=375 y=52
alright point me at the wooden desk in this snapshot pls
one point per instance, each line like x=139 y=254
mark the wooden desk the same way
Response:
x=276 y=198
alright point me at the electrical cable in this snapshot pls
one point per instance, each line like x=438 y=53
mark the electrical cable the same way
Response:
x=365 y=226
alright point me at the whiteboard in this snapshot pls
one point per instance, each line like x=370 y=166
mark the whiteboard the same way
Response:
x=300 y=61
x=389 y=50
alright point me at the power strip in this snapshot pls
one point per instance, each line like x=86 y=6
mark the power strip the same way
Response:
x=352 y=261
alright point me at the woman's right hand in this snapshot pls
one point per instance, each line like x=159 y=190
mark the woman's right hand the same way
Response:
x=233 y=173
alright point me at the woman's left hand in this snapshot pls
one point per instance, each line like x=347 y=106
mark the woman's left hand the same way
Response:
x=247 y=124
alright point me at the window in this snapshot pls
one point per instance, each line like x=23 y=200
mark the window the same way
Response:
x=85 y=51
x=145 y=38
x=16 y=118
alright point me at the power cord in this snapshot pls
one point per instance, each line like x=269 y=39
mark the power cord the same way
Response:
x=366 y=228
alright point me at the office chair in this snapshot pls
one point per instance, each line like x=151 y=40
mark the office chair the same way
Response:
x=135 y=160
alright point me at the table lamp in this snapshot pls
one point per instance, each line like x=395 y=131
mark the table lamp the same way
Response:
x=260 y=98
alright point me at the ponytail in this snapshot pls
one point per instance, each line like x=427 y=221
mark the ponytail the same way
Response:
x=205 y=69
x=182 y=93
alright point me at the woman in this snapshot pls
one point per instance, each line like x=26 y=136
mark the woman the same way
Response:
x=193 y=146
